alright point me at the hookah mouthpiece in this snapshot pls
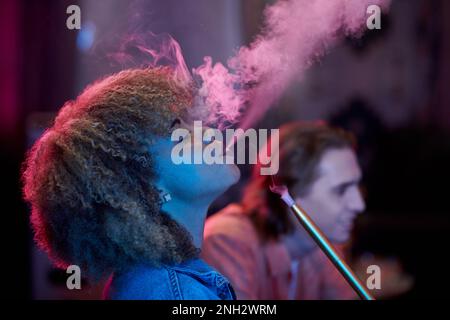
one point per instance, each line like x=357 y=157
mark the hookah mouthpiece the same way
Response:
x=282 y=191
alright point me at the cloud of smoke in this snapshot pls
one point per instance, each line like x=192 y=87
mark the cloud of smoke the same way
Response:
x=147 y=49
x=295 y=33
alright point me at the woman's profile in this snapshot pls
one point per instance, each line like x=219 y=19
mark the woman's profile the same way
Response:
x=106 y=196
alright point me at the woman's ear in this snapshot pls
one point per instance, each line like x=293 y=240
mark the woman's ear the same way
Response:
x=165 y=196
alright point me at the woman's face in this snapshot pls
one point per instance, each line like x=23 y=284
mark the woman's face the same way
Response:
x=191 y=181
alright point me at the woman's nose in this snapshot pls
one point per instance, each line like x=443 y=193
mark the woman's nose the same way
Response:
x=212 y=135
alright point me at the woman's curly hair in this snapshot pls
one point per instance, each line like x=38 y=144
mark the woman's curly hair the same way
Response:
x=90 y=177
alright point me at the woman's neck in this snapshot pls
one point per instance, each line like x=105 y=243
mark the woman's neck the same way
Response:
x=191 y=215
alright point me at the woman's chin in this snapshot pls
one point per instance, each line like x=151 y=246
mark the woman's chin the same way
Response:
x=236 y=172
x=229 y=175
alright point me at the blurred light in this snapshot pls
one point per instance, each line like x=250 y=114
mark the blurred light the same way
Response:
x=86 y=36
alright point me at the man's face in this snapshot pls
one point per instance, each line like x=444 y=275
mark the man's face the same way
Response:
x=334 y=199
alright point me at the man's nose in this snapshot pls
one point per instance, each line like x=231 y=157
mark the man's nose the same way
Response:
x=356 y=202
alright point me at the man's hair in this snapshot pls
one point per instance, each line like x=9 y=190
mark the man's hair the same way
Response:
x=302 y=145
x=90 y=178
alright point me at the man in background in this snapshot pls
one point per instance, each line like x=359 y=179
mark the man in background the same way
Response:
x=260 y=247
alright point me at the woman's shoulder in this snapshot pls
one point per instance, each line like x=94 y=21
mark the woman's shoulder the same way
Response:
x=187 y=281
x=139 y=282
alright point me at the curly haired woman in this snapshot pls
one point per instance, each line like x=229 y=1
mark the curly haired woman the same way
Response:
x=106 y=196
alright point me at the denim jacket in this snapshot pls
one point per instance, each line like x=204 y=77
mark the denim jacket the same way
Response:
x=191 y=280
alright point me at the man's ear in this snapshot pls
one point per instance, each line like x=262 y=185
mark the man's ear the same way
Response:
x=301 y=200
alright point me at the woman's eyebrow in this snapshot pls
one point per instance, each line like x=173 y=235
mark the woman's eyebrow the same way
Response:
x=175 y=122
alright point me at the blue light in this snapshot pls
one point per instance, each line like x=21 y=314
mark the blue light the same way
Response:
x=86 y=37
